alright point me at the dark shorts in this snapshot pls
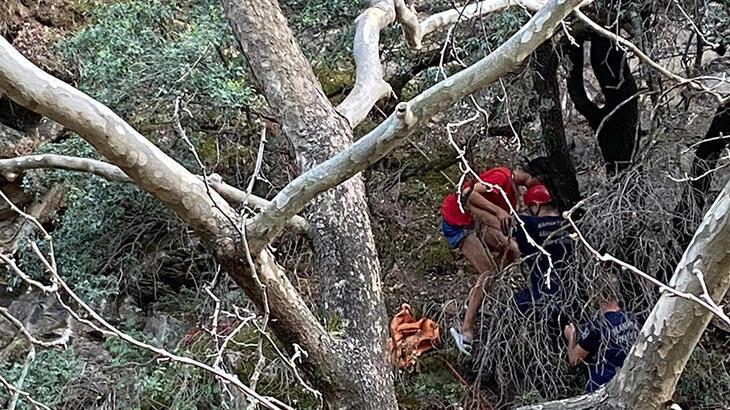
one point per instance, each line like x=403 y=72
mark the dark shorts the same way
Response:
x=526 y=300
x=455 y=234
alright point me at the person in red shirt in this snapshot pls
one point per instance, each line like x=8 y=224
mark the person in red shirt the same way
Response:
x=490 y=201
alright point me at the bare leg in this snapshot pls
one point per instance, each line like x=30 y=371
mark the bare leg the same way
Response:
x=473 y=249
x=476 y=297
x=497 y=242
x=503 y=247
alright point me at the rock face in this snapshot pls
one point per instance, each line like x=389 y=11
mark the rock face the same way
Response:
x=32 y=27
x=42 y=315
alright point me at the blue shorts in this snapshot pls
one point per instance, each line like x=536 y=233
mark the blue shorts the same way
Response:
x=455 y=234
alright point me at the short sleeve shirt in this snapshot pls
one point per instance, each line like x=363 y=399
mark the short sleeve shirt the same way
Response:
x=501 y=177
x=608 y=341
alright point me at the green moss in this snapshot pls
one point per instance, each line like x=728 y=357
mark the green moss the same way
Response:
x=208 y=148
x=335 y=326
x=334 y=80
x=436 y=184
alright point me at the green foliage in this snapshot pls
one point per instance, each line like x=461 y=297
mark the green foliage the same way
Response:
x=140 y=54
x=529 y=398
x=94 y=231
x=47 y=376
x=706 y=379
x=431 y=385
x=178 y=387
x=166 y=386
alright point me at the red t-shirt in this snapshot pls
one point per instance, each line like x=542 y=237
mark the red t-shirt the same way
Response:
x=500 y=176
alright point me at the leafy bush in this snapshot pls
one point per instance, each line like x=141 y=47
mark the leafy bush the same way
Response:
x=705 y=380
x=47 y=377
x=143 y=53
x=99 y=220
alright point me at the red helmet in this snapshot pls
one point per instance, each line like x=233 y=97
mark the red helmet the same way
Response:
x=538 y=195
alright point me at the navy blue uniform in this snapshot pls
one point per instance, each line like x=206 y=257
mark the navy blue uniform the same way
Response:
x=559 y=246
x=608 y=341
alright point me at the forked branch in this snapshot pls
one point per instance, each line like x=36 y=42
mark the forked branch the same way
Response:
x=370 y=86
x=406 y=118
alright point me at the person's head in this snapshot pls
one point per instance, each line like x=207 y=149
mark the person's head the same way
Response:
x=539 y=201
x=533 y=172
x=607 y=291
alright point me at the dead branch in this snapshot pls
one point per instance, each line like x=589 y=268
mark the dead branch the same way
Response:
x=9 y=386
x=694 y=83
x=107 y=328
x=469 y=11
x=43 y=210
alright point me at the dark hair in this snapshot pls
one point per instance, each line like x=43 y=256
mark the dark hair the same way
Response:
x=540 y=168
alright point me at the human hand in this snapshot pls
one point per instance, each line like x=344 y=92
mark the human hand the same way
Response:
x=505 y=222
x=569 y=332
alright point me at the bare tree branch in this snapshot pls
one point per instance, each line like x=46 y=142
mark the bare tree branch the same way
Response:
x=43 y=210
x=36 y=404
x=448 y=17
x=692 y=82
x=12 y=167
x=141 y=160
x=407 y=117
x=369 y=84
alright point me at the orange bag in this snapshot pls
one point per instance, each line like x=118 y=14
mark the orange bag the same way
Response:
x=410 y=338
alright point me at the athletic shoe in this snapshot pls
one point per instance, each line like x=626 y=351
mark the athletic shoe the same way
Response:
x=463 y=343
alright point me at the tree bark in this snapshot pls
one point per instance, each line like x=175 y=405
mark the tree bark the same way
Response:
x=347 y=260
x=545 y=79
x=616 y=123
x=707 y=154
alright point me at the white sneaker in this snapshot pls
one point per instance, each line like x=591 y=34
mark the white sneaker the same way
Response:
x=463 y=343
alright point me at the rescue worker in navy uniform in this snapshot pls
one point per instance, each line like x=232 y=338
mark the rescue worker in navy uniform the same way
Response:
x=543 y=225
x=604 y=343
x=545 y=297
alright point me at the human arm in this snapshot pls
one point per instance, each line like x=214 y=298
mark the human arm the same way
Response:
x=481 y=203
x=576 y=353
x=528 y=228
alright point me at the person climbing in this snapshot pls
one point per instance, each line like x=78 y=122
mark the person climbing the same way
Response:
x=604 y=343
x=490 y=202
